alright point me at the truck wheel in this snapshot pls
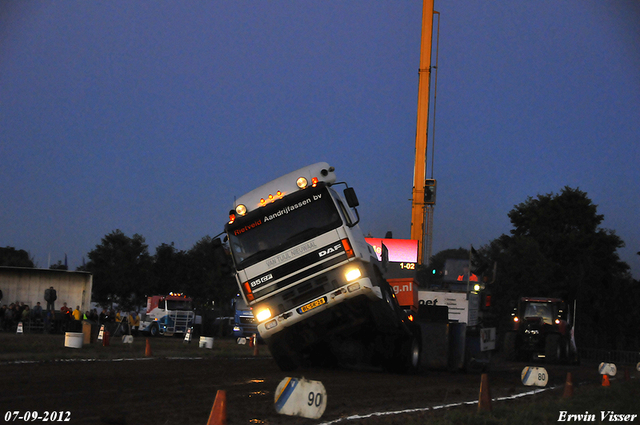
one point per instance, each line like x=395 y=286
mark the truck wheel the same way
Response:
x=285 y=362
x=510 y=351
x=404 y=356
x=154 y=330
x=552 y=349
x=414 y=359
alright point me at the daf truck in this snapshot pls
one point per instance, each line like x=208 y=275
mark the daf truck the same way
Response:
x=244 y=324
x=315 y=286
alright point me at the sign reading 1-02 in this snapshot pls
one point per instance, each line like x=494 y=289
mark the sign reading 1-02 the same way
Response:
x=408 y=266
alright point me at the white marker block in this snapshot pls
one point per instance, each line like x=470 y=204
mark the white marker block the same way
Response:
x=300 y=397
x=534 y=376
x=607 y=369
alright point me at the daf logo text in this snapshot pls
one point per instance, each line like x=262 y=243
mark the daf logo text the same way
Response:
x=330 y=250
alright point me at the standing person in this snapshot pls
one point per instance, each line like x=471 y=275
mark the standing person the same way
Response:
x=2 y=312
x=49 y=321
x=50 y=296
x=8 y=317
x=37 y=312
x=77 y=314
x=135 y=322
x=104 y=316
x=25 y=316
x=66 y=317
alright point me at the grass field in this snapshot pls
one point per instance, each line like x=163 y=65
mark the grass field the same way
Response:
x=43 y=347
x=620 y=399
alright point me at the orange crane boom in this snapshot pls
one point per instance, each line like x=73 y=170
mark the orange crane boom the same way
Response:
x=418 y=206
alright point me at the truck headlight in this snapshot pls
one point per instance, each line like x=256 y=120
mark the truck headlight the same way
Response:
x=263 y=315
x=352 y=274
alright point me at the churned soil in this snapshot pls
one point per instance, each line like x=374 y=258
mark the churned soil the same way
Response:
x=152 y=390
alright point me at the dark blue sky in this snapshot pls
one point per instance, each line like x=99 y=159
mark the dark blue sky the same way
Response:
x=151 y=116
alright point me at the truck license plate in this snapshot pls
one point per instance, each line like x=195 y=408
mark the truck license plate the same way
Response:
x=312 y=305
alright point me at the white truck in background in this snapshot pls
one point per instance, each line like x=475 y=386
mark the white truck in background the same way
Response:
x=168 y=315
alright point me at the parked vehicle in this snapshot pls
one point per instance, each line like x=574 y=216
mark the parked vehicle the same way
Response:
x=168 y=315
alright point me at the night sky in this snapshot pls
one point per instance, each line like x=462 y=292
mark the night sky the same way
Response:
x=152 y=116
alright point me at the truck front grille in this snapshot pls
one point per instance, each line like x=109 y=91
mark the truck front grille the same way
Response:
x=247 y=320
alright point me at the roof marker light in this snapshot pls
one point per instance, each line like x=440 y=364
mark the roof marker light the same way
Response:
x=302 y=182
x=241 y=210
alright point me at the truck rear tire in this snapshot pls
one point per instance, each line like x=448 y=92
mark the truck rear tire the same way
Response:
x=552 y=349
x=510 y=350
x=404 y=356
x=285 y=361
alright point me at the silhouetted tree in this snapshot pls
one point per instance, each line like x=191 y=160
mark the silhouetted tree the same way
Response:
x=10 y=257
x=121 y=268
x=557 y=248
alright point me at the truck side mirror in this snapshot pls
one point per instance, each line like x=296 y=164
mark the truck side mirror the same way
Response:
x=350 y=196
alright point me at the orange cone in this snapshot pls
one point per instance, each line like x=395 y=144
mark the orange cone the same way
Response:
x=605 y=381
x=255 y=345
x=568 y=387
x=484 y=399
x=147 y=349
x=218 y=414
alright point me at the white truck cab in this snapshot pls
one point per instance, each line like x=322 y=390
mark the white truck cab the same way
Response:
x=302 y=262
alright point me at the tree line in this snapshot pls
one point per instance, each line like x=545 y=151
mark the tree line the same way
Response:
x=558 y=249
x=555 y=249
x=125 y=273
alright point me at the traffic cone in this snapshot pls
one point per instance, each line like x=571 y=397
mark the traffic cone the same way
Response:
x=255 y=345
x=484 y=399
x=147 y=349
x=19 y=328
x=218 y=414
x=605 y=381
x=568 y=387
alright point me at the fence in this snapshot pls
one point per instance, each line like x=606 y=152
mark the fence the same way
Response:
x=610 y=356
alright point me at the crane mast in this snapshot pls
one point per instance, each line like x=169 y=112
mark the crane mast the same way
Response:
x=418 y=205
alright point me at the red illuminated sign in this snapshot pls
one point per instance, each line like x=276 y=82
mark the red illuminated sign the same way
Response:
x=400 y=250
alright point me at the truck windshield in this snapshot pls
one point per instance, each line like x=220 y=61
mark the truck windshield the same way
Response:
x=178 y=305
x=285 y=223
x=542 y=310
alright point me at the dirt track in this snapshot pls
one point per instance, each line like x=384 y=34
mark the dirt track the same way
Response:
x=166 y=391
